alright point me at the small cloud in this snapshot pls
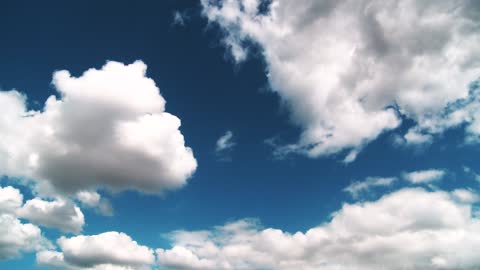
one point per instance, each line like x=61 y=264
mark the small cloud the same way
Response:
x=224 y=146
x=93 y=200
x=465 y=196
x=471 y=173
x=225 y=142
x=425 y=176
x=180 y=18
x=358 y=187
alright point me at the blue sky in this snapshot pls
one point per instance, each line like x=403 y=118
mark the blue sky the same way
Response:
x=309 y=99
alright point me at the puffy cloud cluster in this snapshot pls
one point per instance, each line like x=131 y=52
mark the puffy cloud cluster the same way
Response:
x=110 y=250
x=15 y=236
x=60 y=214
x=407 y=229
x=350 y=70
x=108 y=128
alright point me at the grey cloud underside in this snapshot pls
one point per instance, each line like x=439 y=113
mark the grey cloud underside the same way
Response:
x=351 y=70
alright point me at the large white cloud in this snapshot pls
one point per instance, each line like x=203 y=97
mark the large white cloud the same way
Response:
x=110 y=250
x=107 y=128
x=342 y=66
x=407 y=229
x=61 y=214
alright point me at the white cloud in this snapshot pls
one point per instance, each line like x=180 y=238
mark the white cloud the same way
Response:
x=60 y=214
x=17 y=237
x=358 y=187
x=10 y=200
x=342 y=66
x=466 y=196
x=93 y=200
x=425 y=176
x=88 y=198
x=225 y=142
x=407 y=229
x=108 y=128
x=110 y=250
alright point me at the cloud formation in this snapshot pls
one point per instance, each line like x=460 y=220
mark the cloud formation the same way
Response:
x=60 y=214
x=108 y=128
x=407 y=229
x=16 y=237
x=350 y=70
x=425 y=176
x=358 y=187
x=93 y=200
x=109 y=250
x=225 y=145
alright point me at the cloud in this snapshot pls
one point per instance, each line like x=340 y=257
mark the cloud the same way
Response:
x=10 y=200
x=15 y=236
x=108 y=128
x=407 y=229
x=358 y=187
x=109 y=250
x=465 y=195
x=426 y=176
x=224 y=145
x=351 y=70
x=60 y=214
x=179 y=18
x=93 y=200
x=471 y=173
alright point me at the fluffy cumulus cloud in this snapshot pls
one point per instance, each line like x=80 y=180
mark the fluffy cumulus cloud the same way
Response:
x=110 y=250
x=107 y=127
x=16 y=237
x=10 y=199
x=60 y=214
x=425 y=176
x=350 y=70
x=407 y=229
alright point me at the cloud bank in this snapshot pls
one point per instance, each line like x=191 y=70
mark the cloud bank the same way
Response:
x=351 y=70
x=407 y=229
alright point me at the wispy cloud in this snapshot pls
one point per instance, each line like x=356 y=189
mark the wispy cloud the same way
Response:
x=225 y=145
x=358 y=187
x=179 y=18
x=425 y=176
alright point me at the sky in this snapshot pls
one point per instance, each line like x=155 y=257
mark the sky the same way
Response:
x=239 y=134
